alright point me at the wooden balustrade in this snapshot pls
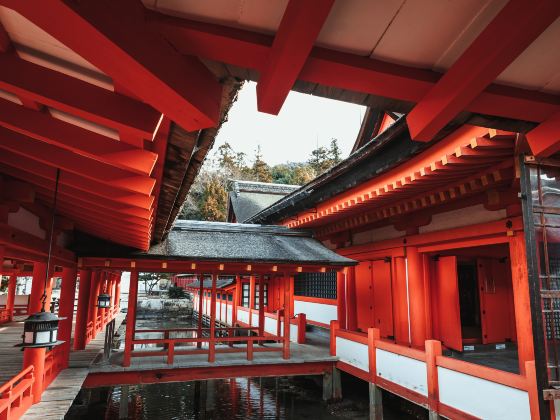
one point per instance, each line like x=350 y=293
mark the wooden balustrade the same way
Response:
x=16 y=395
x=170 y=346
x=4 y=316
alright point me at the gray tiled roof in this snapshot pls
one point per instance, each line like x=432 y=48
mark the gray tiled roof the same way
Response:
x=220 y=283
x=215 y=241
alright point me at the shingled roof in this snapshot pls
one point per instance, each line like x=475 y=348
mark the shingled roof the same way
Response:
x=247 y=198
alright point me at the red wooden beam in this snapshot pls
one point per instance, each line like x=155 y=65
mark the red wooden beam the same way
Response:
x=180 y=87
x=5 y=42
x=298 y=30
x=343 y=70
x=43 y=127
x=74 y=96
x=515 y=27
x=41 y=174
x=71 y=162
x=544 y=140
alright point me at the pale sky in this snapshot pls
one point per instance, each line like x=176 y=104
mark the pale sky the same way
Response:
x=303 y=122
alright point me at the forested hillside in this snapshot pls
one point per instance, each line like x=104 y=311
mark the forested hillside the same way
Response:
x=207 y=199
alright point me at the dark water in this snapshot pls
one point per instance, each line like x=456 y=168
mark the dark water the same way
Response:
x=237 y=398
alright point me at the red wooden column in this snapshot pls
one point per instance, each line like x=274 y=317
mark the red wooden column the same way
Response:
x=130 y=317
x=287 y=316
x=212 y=342
x=200 y=308
x=83 y=310
x=66 y=310
x=251 y=299
x=341 y=298
x=236 y=297
x=37 y=285
x=351 y=320
x=521 y=300
x=416 y=299
x=11 y=298
x=261 y=306
x=94 y=292
x=118 y=291
x=36 y=357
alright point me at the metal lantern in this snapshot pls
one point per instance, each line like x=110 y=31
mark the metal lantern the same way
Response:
x=104 y=301
x=41 y=330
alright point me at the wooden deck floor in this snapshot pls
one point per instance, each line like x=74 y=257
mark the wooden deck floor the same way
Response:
x=60 y=394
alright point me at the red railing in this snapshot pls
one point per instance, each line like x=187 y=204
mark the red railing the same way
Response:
x=16 y=395
x=169 y=344
x=53 y=365
x=4 y=316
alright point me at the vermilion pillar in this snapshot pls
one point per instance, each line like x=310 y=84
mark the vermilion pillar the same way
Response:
x=66 y=310
x=212 y=343
x=94 y=293
x=200 y=309
x=36 y=357
x=251 y=299
x=341 y=298
x=37 y=287
x=261 y=306
x=287 y=312
x=521 y=300
x=130 y=318
x=11 y=296
x=236 y=294
x=351 y=319
x=83 y=310
x=118 y=291
x=416 y=298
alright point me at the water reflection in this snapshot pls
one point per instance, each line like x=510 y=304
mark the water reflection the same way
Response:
x=238 y=398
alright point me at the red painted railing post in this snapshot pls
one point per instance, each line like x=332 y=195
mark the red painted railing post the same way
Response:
x=433 y=350
x=36 y=357
x=532 y=389
x=302 y=322
x=334 y=326
x=80 y=330
x=279 y=315
x=373 y=335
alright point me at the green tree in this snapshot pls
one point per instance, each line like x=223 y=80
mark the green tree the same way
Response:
x=214 y=199
x=261 y=170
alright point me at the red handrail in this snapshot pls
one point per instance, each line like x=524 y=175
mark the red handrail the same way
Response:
x=16 y=395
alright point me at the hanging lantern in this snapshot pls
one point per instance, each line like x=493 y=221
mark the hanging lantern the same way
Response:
x=41 y=330
x=104 y=301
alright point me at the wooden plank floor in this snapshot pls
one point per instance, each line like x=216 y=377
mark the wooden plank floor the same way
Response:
x=58 y=397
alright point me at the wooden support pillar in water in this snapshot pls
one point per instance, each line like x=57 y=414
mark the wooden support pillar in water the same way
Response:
x=375 y=402
x=332 y=387
x=123 y=403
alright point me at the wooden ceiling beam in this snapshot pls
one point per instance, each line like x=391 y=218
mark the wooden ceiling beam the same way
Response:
x=544 y=140
x=74 y=163
x=123 y=48
x=84 y=100
x=326 y=67
x=294 y=39
x=43 y=127
x=515 y=27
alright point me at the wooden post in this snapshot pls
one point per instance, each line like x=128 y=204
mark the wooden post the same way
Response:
x=351 y=321
x=521 y=300
x=200 y=309
x=118 y=292
x=251 y=299
x=94 y=293
x=236 y=297
x=37 y=286
x=433 y=350
x=66 y=310
x=279 y=316
x=302 y=322
x=373 y=335
x=287 y=312
x=11 y=298
x=375 y=402
x=82 y=312
x=130 y=318
x=533 y=389
x=212 y=338
x=36 y=357
x=261 y=307
x=341 y=298
x=334 y=325
x=417 y=308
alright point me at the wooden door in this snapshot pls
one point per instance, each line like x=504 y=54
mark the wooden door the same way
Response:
x=496 y=300
x=383 y=297
x=446 y=294
x=364 y=296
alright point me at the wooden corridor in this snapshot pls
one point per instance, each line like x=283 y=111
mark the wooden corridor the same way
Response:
x=58 y=397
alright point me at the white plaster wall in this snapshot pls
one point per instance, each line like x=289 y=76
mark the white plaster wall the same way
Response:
x=27 y=222
x=229 y=314
x=243 y=316
x=482 y=398
x=317 y=312
x=353 y=353
x=462 y=217
x=405 y=371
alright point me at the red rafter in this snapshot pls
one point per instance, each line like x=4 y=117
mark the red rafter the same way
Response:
x=181 y=87
x=299 y=28
x=491 y=53
x=545 y=139
x=68 y=94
